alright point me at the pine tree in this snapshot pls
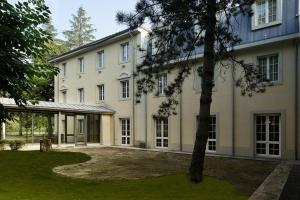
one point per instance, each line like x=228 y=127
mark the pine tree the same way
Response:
x=179 y=27
x=81 y=31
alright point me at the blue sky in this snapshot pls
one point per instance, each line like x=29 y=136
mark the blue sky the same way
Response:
x=102 y=13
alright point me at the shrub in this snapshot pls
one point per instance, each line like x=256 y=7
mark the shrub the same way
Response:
x=2 y=144
x=16 y=144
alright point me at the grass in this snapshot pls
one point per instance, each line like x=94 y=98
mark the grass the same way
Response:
x=28 y=175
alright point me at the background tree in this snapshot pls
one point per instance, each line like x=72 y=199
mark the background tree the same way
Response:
x=81 y=31
x=178 y=28
x=22 y=40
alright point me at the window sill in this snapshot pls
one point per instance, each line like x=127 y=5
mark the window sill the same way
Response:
x=258 y=27
x=124 y=62
x=125 y=99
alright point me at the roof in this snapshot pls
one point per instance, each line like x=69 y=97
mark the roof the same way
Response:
x=56 y=107
x=95 y=44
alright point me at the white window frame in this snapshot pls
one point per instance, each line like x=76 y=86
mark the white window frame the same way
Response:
x=124 y=52
x=267 y=142
x=101 y=92
x=64 y=69
x=162 y=84
x=125 y=94
x=81 y=95
x=81 y=64
x=125 y=128
x=212 y=139
x=162 y=137
x=278 y=20
x=268 y=72
x=101 y=59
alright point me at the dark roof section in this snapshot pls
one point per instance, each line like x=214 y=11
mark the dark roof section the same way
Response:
x=92 y=44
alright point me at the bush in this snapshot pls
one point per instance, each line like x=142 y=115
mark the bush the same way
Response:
x=16 y=144
x=2 y=144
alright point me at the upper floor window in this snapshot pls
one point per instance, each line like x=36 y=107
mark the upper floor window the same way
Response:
x=125 y=89
x=268 y=68
x=101 y=59
x=125 y=52
x=267 y=12
x=64 y=69
x=81 y=65
x=81 y=95
x=161 y=84
x=101 y=92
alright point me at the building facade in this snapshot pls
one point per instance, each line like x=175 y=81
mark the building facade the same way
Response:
x=265 y=125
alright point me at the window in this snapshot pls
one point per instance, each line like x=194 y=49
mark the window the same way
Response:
x=212 y=136
x=162 y=132
x=101 y=92
x=64 y=96
x=125 y=131
x=267 y=12
x=161 y=84
x=211 y=145
x=268 y=68
x=81 y=65
x=101 y=59
x=81 y=126
x=64 y=69
x=267 y=128
x=81 y=95
x=125 y=89
x=124 y=52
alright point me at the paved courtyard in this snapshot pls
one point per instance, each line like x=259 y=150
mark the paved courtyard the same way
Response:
x=118 y=163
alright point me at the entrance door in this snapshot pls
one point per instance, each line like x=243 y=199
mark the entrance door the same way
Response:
x=80 y=130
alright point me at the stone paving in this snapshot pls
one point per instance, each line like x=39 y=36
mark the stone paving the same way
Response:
x=291 y=190
x=271 y=188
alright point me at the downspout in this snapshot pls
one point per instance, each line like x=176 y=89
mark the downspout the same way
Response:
x=180 y=123
x=133 y=85
x=146 y=119
x=233 y=113
x=296 y=99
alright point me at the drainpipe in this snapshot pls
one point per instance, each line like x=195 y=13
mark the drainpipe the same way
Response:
x=180 y=123
x=233 y=113
x=146 y=119
x=296 y=99
x=133 y=89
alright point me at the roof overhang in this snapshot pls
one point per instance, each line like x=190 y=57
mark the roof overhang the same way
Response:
x=52 y=107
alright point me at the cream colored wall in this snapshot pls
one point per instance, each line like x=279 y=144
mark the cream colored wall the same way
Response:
x=277 y=99
x=110 y=75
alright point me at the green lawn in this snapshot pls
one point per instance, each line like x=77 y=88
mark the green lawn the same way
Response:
x=28 y=175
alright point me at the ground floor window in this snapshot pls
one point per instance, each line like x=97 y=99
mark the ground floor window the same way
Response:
x=81 y=126
x=268 y=135
x=211 y=145
x=125 y=131
x=162 y=132
x=212 y=136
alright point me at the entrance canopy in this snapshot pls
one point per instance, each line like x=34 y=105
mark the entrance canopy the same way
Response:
x=52 y=107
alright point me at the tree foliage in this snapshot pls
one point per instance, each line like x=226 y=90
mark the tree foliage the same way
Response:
x=22 y=40
x=180 y=28
x=81 y=31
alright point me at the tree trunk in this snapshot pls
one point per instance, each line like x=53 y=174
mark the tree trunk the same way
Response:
x=20 y=124
x=49 y=127
x=207 y=84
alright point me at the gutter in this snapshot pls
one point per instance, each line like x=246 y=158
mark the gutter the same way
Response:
x=296 y=99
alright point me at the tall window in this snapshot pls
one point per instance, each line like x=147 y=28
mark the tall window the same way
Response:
x=101 y=92
x=267 y=11
x=81 y=95
x=64 y=69
x=125 y=89
x=125 y=131
x=81 y=65
x=161 y=84
x=268 y=135
x=101 y=59
x=162 y=132
x=64 y=96
x=211 y=145
x=124 y=52
x=268 y=68
x=80 y=126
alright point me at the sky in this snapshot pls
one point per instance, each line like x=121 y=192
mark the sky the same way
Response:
x=102 y=13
